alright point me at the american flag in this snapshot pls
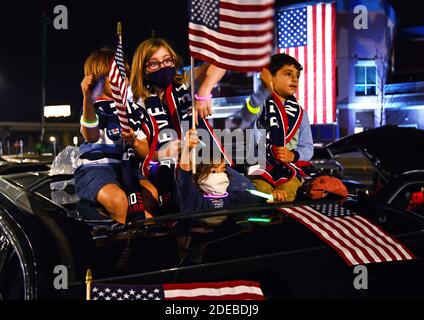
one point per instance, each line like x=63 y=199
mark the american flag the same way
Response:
x=357 y=240
x=117 y=76
x=232 y=34
x=308 y=34
x=231 y=290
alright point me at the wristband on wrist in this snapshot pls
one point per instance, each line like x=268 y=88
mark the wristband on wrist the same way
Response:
x=201 y=98
x=251 y=108
x=88 y=124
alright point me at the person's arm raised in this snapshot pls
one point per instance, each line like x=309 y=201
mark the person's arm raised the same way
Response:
x=191 y=142
x=89 y=119
x=208 y=75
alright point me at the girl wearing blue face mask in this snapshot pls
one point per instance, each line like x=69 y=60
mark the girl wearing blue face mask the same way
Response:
x=161 y=85
x=214 y=186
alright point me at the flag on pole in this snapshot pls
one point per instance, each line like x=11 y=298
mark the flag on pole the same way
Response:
x=117 y=78
x=130 y=163
x=357 y=240
x=231 y=290
x=232 y=34
x=307 y=33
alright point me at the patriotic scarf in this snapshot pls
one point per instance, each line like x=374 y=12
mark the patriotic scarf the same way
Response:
x=174 y=116
x=130 y=165
x=282 y=122
x=138 y=118
x=142 y=119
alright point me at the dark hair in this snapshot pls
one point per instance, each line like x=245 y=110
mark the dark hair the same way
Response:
x=203 y=169
x=281 y=59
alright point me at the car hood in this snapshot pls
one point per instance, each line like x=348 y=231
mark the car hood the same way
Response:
x=392 y=150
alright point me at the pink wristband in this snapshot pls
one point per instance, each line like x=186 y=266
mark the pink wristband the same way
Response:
x=200 y=98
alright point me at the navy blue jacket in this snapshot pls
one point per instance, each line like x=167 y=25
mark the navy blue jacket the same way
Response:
x=190 y=198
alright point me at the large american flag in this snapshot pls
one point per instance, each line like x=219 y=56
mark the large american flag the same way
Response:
x=307 y=33
x=232 y=34
x=231 y=290
x=357 y=240
x=117 y=76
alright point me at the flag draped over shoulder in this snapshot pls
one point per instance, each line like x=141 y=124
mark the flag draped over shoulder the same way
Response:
x=308 y=33
x=357 y=240
x=232 y=34
x=231 y=290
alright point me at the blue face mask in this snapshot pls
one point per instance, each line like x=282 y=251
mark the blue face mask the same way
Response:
x=162 y=78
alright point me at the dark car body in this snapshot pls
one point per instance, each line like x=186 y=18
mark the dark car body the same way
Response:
x=10 y=165
x=323 y=163
x=255 y=243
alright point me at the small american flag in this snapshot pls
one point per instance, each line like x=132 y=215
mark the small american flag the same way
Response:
x=232 y=34
x=356 y=240
x=117 y=78
x=307 y=33
x=231 y=290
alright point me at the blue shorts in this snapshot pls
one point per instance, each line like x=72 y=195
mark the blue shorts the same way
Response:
x=90 y=179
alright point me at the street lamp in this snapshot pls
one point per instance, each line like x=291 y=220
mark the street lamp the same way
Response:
x=53 y=141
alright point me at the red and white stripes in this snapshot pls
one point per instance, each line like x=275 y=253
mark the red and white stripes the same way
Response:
x=241 y=38
x=119 y=92
x=357 y=240
x=317 y=83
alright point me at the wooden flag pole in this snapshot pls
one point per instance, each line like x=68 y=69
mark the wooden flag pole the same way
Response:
x=119 y=30
x=193 y=113
x=88 y=282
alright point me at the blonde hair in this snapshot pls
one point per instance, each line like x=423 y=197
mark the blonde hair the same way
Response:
x=141 y=56
x=98 y=63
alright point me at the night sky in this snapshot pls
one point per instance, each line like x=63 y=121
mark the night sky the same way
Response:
x=92 y=24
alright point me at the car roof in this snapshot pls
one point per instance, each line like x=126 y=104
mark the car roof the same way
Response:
x=392 y=150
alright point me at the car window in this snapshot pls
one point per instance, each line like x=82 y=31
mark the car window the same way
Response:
x=357 y=167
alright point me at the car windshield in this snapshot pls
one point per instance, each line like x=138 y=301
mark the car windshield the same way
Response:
x=26 y=201
x=357 y=167
x=321 y=153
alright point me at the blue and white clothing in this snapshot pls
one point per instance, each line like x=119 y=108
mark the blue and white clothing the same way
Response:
x=190 y=198
x=283 y=125
x=302 y=143
x=100 y=162
x=109 y=148
x=173 y=115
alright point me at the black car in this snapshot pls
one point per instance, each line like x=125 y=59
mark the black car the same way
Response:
x=258 y=243
x=15 y=164
x=352 y=168
x=323 y=163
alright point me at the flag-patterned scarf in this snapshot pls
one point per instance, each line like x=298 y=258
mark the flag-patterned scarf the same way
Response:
x=281 y=122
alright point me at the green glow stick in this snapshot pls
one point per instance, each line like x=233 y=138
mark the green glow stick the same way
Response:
x=263 y=220
x=261 y=194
